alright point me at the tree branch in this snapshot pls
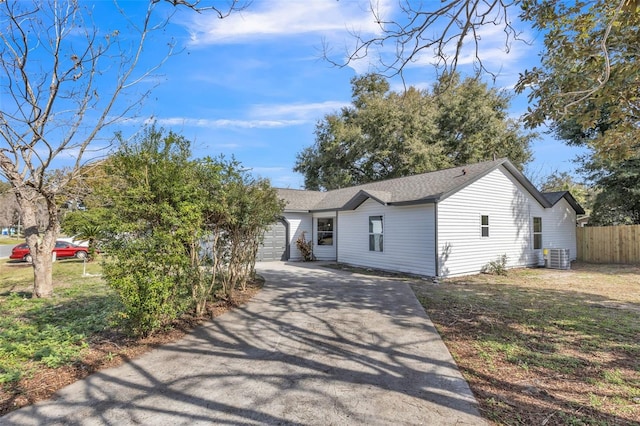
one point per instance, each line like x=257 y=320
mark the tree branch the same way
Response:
x=452 y=25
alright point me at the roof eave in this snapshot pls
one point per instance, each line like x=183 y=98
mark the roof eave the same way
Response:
x=359 y=198
x=572 y=202
x=429 y=200
x=296 y=210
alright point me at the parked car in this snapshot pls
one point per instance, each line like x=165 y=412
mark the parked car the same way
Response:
x=72 y=240
x=62 y=250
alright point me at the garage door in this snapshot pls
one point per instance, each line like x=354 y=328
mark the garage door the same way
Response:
x=274 y=246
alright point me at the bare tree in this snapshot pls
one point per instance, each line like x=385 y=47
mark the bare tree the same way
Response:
x=64 y=81
x=439 y=32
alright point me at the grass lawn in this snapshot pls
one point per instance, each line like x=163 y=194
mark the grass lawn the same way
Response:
x=11 y=240
x=41 y=334
x=545 y=347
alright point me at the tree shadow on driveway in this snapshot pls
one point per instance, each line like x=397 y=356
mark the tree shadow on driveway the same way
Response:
x=313 y=347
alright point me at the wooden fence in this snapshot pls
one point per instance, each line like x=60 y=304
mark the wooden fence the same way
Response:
x=609 y=244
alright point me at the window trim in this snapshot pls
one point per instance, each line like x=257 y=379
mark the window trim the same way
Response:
x=318 y=231
x=537 y=233
x=373 y=234
x=484 y=227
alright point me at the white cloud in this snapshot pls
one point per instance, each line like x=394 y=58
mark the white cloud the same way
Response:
x=492 y=49
x=279 y=18
x=290 y=180
x=363 y=65
x=266 y=170
x=262 y=116
x=399 y=86
x=228 y=145
x=298 y=111
x=217 y=123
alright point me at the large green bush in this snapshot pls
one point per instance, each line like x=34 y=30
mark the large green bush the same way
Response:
x=148 y=275
x=180 y=228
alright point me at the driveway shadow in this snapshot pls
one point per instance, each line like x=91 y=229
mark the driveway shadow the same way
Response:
x=315 y=346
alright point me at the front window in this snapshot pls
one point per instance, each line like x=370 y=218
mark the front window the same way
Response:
x=376 y=231
x=537 y=233
x=484 y=226
x=325 y=232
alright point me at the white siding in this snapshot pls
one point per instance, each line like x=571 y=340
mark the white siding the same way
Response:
x=462 y=249
x=559 y=228
x=408 y=238
x=324 y=252
x=298 y=223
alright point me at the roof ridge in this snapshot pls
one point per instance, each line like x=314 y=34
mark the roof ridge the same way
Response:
x=496 y=161
x=299 y=189
x=420 y=188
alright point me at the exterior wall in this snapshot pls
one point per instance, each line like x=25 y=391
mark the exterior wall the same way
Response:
x=298 y=223
x=408 y=240
x=324 y=252
x=559 y=228
x=461 y=247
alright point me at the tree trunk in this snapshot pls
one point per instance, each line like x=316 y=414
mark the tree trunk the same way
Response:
x=41 y=244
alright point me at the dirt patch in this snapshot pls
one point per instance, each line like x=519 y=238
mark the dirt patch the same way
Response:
x=108 y=350
x=545 y=347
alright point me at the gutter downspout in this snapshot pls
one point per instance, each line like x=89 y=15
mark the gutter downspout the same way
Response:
x=336 y=236
x=435 y=238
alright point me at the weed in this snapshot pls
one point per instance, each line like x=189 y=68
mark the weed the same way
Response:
x=613 y=377
x=594 y=400
x=496 y=267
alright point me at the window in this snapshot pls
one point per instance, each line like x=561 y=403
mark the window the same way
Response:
x=376 y=232
x=325 y=231
x=537 y=233
x=484 y=226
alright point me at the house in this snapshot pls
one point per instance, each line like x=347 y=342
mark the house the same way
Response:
x=444 y=223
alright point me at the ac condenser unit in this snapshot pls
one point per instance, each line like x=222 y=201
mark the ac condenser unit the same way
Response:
x=558 y=259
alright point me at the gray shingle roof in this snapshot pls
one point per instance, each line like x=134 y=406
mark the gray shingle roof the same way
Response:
x=300 y=199
x=422 y=188
x=554 y=197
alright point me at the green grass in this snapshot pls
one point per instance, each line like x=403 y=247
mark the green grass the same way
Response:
x=50 y=332
x=11 y=240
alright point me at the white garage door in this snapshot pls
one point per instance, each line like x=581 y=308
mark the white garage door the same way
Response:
x=274 y=246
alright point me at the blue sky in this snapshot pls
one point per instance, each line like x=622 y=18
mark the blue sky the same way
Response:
x=253 y=85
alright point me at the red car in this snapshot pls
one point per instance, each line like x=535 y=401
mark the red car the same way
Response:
x=62 y=250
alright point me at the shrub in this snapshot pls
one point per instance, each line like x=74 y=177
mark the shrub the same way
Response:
x=496 y=267
x=305 y=247
x=149 y=276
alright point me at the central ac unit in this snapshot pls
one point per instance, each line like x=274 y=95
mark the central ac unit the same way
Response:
x=558 y=258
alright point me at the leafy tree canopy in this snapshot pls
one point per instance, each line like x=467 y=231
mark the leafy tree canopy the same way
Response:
x=589 y=80
x=563 y=181
x=386 y=134
x=618 y=202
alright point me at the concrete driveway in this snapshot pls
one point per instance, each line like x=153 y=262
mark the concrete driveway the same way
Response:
x=315 y=346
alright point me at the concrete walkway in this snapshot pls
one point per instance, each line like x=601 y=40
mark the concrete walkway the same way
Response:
x=314 y=347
